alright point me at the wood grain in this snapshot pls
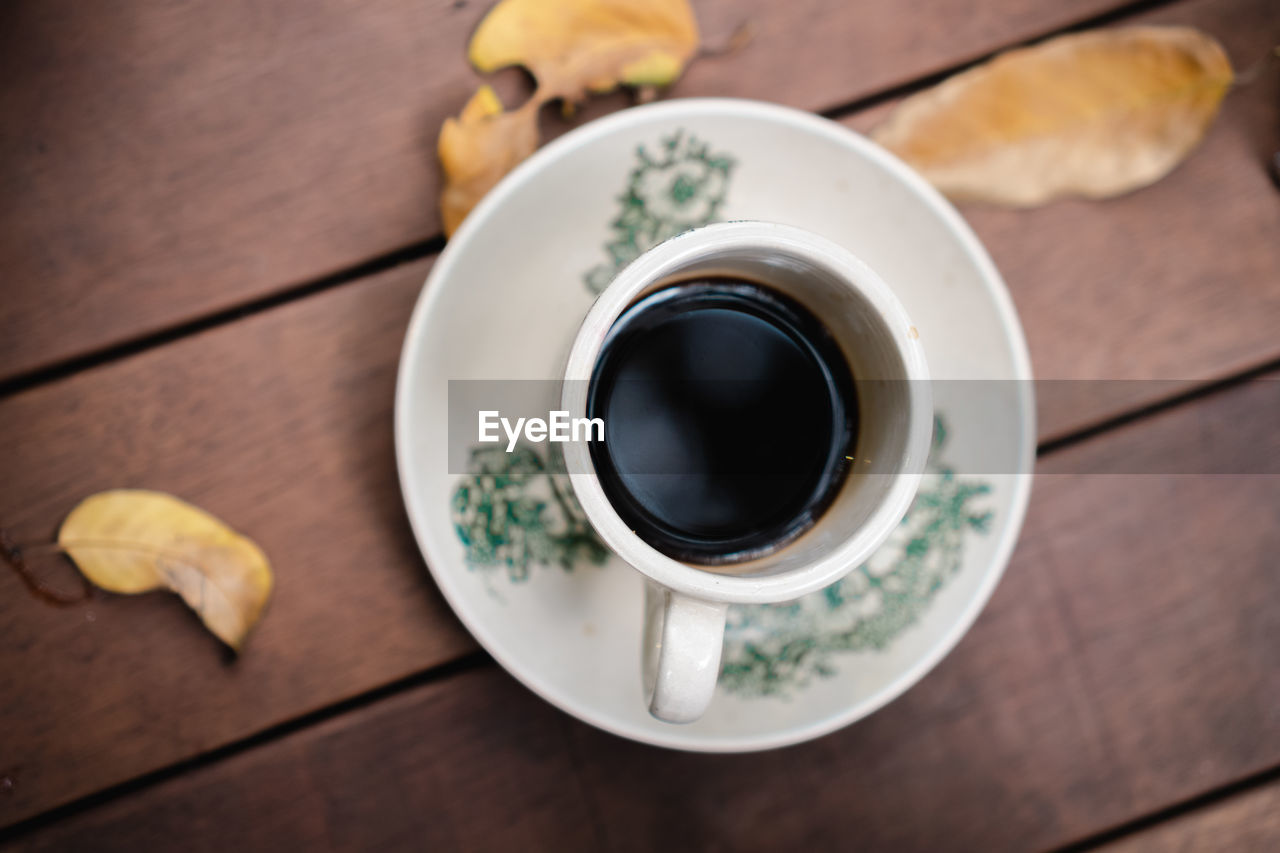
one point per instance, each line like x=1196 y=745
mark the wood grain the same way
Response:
x=1129 y=659
x=160 y=162
x=1245 y=822
x=425 y=778
x=281 y=425
x=1178 y=282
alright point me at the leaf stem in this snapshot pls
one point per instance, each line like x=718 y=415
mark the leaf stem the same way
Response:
x=15 y=556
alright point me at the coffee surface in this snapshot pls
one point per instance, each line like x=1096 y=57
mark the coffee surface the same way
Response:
x=729 y=415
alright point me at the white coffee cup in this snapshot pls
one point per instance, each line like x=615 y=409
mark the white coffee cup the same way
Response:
x=686 y=603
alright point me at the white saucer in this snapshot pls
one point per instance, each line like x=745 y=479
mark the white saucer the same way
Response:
x=509 y=549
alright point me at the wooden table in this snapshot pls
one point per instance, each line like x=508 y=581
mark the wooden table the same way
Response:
x=214 y=219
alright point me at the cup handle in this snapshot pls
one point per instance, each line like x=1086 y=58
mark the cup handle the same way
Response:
x=683 y=638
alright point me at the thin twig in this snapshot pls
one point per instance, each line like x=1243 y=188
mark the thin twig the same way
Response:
x=738 y=39
x=1250 y=74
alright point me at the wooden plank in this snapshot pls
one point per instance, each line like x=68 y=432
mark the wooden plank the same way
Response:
x=161 y=162
x=1179 y=282
x=279 y=424
x=1130 y=659
x=1247 y=821
x=256 y=421
x=428 y=781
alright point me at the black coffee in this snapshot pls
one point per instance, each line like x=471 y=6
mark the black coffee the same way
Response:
x=729 y=415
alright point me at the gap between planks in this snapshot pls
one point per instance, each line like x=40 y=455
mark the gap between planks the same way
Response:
x=350 y=275
x=1191 y=805
x=440 y=672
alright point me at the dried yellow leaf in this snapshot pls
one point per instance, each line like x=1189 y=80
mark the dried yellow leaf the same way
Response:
x=576 y=46
x=1092 y=114
x=131 y=541
x=478 y=148
x=571 y=47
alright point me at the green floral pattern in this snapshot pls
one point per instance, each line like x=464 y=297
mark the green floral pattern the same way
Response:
x=772 y=649
x=516 y=511
x=679 y=186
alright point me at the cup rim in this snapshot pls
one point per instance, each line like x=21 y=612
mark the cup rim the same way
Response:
x=652 y=266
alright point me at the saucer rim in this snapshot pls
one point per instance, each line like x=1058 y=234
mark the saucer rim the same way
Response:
x=969 y=244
